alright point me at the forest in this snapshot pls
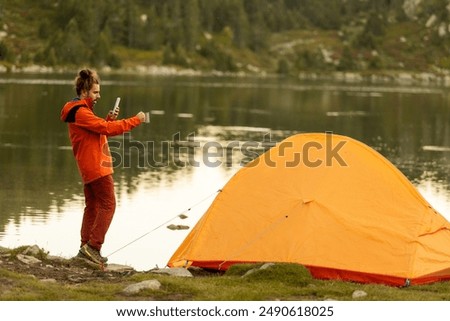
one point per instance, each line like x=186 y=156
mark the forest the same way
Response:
x=284 y=36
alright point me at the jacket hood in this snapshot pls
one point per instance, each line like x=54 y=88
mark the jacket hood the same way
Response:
x=70 y=108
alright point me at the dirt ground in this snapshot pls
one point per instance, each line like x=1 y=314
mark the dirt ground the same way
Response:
x=62 y=270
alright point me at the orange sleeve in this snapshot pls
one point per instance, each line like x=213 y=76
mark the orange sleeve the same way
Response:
x=86 y=119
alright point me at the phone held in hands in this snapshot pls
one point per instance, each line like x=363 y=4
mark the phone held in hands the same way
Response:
x=116 y=107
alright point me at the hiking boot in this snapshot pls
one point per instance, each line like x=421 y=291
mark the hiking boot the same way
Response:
x=80 y=255
x=92 y=254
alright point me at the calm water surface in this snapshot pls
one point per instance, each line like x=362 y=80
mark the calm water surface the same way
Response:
x=158 y=176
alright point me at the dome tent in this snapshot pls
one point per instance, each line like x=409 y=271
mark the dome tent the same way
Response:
x=330 y=203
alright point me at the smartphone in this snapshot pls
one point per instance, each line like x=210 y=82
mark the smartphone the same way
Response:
x=116 y=106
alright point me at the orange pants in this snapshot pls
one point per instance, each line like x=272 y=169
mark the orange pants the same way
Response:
x=100 y=204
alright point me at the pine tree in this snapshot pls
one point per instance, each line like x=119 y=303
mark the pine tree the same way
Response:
x=258 y=29
x=240 y=27
x=69 y=45
x=191 y=23
x=131 y=24
x=173 y=24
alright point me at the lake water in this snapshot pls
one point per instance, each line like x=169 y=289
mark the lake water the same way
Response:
x=176 y=164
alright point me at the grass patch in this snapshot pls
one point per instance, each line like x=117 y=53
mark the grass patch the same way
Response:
x=63 y=280
x=19 y=287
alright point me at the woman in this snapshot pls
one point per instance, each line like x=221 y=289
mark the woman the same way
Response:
x=88 y=133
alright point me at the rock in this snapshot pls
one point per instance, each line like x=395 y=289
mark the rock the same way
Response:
x=431 y=21
x=177 y=227
x=263 y=267
x=57 y=259
x=76 y=278
x=266 y=266
x=411 y=8
x=48 y=280
x=181 y=272
x=442 y=30
x=28 y=259
x=32 y=250
x=327 y=56
x=357 y=294
x=248 y=273
x=118 y=268
x=137 y=287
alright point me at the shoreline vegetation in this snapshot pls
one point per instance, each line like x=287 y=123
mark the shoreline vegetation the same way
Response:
x=401 y=78
x=29 y=273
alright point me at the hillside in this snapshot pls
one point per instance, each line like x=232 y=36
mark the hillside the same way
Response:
x=252 y=36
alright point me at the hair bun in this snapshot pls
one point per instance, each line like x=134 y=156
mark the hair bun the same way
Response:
x=85 y=73
x=85 y=80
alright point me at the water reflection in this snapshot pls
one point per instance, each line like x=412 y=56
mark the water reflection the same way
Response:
x=191 y=148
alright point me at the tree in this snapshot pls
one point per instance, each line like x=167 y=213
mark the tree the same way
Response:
x=374 y=27
x=324 y=14
x=152 y=35
x=240 y=27
x=131 y=24
x=191 y=19
x=278 y=18
x=347 y=61
x=375 y=24
x=207 y=10
x=3 y=51
x=283 y=67
x=258 y=34
x=69 y=46
x=101 y=50
x=173 y=24
x=309 y=60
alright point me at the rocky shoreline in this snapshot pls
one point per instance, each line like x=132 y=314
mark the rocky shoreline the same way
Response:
x=440 y=78
x=35 y=263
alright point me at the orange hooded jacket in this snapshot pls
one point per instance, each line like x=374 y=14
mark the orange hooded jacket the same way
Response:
x=88 y=134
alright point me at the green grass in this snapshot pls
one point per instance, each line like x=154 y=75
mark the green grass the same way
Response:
x=279 y=282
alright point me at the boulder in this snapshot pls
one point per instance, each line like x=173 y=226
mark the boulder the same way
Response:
x=32 y=250
x=137 y=287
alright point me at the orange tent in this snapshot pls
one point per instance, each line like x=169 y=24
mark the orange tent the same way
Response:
x=327 y=202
